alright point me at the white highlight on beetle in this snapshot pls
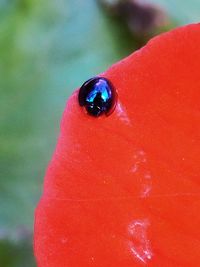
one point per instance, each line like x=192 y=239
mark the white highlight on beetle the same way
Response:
x=139 y=243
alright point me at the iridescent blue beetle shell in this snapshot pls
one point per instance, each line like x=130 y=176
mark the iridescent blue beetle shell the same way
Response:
x=98 y=96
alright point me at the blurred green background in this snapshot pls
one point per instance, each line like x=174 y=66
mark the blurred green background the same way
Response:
x=47 y=49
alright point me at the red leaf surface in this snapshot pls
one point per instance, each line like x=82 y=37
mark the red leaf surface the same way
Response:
x=124 y=190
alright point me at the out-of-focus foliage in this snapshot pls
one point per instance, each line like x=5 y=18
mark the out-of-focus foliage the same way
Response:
x=16 y=254
x=47 y=48
x=143 y=19
x=182 y=11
